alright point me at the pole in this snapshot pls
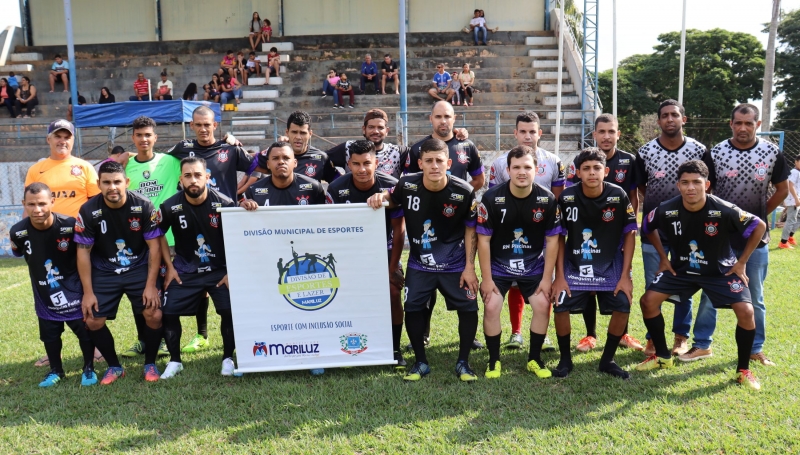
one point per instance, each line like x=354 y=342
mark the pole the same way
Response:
x=73 y=67
x=403 y=68
x=769 y=69
x=683 y=55
x=561 y=26
x=614 y=51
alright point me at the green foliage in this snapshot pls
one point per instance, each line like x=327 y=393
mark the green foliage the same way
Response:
x=787 y=70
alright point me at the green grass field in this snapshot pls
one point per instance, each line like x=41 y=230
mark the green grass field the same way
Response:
x=694 y=408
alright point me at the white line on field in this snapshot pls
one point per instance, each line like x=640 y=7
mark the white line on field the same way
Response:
x=14 y=286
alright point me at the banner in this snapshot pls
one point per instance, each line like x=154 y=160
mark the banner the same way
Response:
x=124 y=113
x=309 y=287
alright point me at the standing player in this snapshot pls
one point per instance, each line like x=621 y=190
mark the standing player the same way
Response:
x=356 y=187
x=223 y=161
x=791 y=203
x=622 y=172
x=442 y=207
x=199 y=267
x=519 y=224
x=712 y=223
x=549 y=174
x=45 y=239
x=745 y=166
x=600 y=228
x=657 y=169
x=119 y=253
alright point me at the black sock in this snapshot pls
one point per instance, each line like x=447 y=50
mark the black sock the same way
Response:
x=202 y=317
x=656 y=328
x=429 y=315
x=493 y=345
x=565 y=349
x=152 y=340
x=138 y=319
x=415 y=328
x=84 y=341
x=397 y=332
x=625 y=332
x=590 y=317
x=228 y=338
x=535 y=347
x=53 y=350
x=172 y=335
x=784 y=241
x=104 y=342
x=612 y=342
x=467 y=329
x=744 y=344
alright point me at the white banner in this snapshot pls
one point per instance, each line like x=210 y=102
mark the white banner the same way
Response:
x=309 y=287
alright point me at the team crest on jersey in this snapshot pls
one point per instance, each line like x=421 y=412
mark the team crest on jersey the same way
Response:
x=540 y=169
x=214 y=219
x=619 y=175
x=463 y=158
x=449 y=210
x=76 y=170
x=571 y=171
x=162 y=270
x=222 y=156
x=608 y=214
x=483 y=214
x=761 y=172
x=63 y=244
x=146 y=174
x=736 y=286
x=311 y=170
x=136 y=224
x=712 y=229
x=302 y=200
x=629 y=210
x=538 y=215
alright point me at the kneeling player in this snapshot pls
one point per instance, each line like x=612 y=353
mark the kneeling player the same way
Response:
x=518 y=228
x=45 y=239
x=699 y=228
x=199 y=266
x=600 y=228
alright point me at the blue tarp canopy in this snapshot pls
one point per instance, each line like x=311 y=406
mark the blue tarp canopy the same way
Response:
x=123 y=114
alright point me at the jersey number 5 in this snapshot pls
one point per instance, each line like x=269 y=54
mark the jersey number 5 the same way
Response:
x=182 y=220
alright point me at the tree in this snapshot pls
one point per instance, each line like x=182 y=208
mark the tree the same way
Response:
x=633 y=98
x=787 y=68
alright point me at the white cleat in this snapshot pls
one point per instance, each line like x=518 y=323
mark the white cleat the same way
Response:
x=227 y=367
x=172 y=370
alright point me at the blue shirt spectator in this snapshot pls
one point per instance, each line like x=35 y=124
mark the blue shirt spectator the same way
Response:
x=369 y=73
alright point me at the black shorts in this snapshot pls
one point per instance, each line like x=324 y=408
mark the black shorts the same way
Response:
x=50 y=331
x=183 y=299
x=606 y=301
x=527 y=284
x=723 y=291
x=420 y=285
x=109 y=288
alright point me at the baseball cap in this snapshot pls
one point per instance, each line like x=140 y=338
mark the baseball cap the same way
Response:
x=61 y=124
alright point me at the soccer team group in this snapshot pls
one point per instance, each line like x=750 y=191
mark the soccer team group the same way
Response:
x=146 y=226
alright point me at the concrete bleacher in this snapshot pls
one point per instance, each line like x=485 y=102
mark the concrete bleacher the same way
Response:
x=516 y=71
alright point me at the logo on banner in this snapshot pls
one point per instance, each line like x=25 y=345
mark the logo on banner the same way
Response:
x=308 y=281
x=260 y=349
x=353 y=343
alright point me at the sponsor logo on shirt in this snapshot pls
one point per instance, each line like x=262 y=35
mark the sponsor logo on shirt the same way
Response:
x=66 y=230
x=344 y=193
x=715 y=213
x=500 y=200
x=306 y=187
x=136 y=209
x=456 y=197
x=613 y=200
x=659 y=174
x=569 y=198
x=670 y=214
x=176 y=208
x=624 y=161
x=262 y=190
x=410 y=186
x=22 y=233
x=315 y=157
x=542 y=199
x=216 y=205
x=97 y=213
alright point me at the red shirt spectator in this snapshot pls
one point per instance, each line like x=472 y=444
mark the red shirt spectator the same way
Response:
x=141 y=89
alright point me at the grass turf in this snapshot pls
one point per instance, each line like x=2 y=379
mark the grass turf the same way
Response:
x=694 y=408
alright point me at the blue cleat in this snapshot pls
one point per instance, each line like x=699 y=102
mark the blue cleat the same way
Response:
x=51 y=379
x=417 y=372
x=88 y=378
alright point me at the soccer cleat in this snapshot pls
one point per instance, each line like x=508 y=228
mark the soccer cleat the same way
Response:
x=562 y=370
x=88 y=378
x=515 y=342
x=464 y=371
x=133 y=351
x=540 y=371
x=548 y=345
x=417 y=372
x=680 y=345
x=695 y=354
x=51 y=379
x=650 y=349
x=655 y=362
x=630 y=342
x=493 y=373
x=162 y=349
x=112 y=374
x=614 y=370
x=586 y=344
x=172 y=369
x=317 y=371
x=785 y=246
x=792 y=241
x=476 y=345
x=746 y=378
x=227 y=367
x=401 y=362
x=762 y=359
x=198 y=343
x=151 y=373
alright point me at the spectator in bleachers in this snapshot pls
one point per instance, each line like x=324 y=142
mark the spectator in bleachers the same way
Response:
x=228 y=64
x=241 y=67
x=266 y=31
x=81 y=102
x=478 y=24
x=164 y=88
x=486 y=23
x=455 y=84
x=190 y=94
x=141 y=89
x=117 y=154
x=343 y=87
x=216 y=89
x=231 y=89
x=369 y=74
x=274 y=62
x=26 y=98
x=106 y=97
x=253 y=67
x=12 y=81
x=59 y=70
x=255 y=30
x=441 y=84
x=389 y=73
x=7 y=96
x=467 y=78
x=329 y=85
x=207 y=93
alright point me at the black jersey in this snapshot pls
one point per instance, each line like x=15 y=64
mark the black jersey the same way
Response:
x=595 y=229
x=197 y=229
x=344 y=191
x=391 y=157
x=436 y=222
x=118 y=235
x=222 y=160
x=302 y=191
x=465 y=156
x=518 y=228
x=621 y=171
x=314 y=163
x=52 y=266
x=700 y=242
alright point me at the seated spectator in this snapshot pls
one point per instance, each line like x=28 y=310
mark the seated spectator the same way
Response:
x=255 y=30
x=26 y=98
x=441 y=84
x=190 y=94
x=59 y=70
x=216 y=91
x=486 y=24
x=343 y=88
x=266 y=31
x=207 y=93
x=231 y=89
x=241 y=66
x=369 y=74
x=81 y=102
x=274 y=62
x=12 y=81
x=467 y=78
x=228 y=65
x=7 y=97
x=253 y=66
x=390 y=73
x=478 y=24
x=164 y=88
x=329 y=85
x=106 y=97
x=141 y=89
x=455 y=84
